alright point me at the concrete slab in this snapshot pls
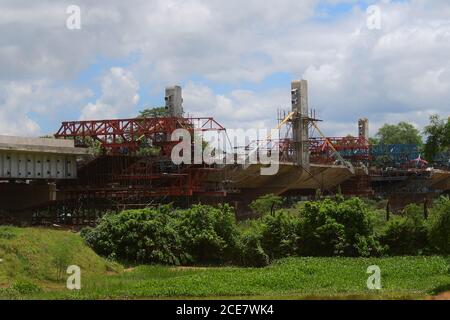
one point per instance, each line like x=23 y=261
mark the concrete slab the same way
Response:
x=41 y=145
x=289 y=177
x=440 y=180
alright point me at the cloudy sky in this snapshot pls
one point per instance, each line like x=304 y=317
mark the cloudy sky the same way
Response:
x=235 y=60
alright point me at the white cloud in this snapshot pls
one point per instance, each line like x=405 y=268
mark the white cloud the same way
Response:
x=239 y=109
x=19 y=99
x=118 y=99
x=398 y=72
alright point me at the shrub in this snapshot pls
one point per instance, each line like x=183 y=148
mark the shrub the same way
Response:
x=210 y=234
x=252 y=252
x=341 y=227
x=7 y=233
x=439 y=226
x=279 y=235
x=19 y=288
x=167 y=236
x=320 y=234
x=406 y=235
x=145 y=236
x=266 y=204
x=25 y=287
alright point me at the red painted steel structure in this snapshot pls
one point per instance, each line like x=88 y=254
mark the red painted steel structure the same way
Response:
x=353 y=149
x=123 y=178
x=124 y=136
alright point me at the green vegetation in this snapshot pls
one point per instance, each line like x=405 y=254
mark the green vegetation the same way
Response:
x=314 y=249
x=439 y=228
x=326 y=228
x=406 y=234
x=209 y=234
x=267 y=204
x=408 y=276
x=163 y=235
x=402 y=133
x=436 y=134
x=291 y=278
x=438 y=137
x=39 y=257
x=158 y=112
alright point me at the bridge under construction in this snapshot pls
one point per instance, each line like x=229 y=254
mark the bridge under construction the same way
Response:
x=92 y=167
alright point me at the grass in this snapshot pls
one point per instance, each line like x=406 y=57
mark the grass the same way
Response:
x=29 y=255
x=42 y=256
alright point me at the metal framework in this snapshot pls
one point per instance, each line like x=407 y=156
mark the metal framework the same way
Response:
x=394 y=155
x=122 y=178
x=323 y=150
x=126 y=136
x=352 y=149
x=442 y=160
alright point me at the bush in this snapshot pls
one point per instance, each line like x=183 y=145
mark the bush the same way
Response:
x=7 y=233
x=329 y=228
x=266 y=204
x=252 y=252
x=204 y=234
x=406 y=235
x=145 y=236
x=320 y=234
x=210 y=234
x=167 y=236
x=439 y=226
x=279 y=235
x=24 y=287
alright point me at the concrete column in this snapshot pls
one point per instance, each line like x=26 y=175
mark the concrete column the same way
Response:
x=363 y=128
x=300 y=122
x=174 y=101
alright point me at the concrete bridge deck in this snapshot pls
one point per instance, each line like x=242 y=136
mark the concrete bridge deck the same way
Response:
x=289 y=177
x=38 y=158
x=440 y=180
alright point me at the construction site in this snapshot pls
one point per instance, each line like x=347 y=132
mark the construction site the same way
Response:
x=63 y=180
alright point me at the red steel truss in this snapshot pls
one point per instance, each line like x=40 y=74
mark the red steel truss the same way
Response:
x=123 y=177
x=127 y=135
x=353 y=149
x=350 y=148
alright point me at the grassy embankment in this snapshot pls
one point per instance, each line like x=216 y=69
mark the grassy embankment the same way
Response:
x=34 y=261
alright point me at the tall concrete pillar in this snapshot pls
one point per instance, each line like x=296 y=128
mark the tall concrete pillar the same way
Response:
x=300 y=122
x=174 y=101
x=363 y=127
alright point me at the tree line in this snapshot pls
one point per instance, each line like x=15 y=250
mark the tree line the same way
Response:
x=204 y=235
x=434 y=139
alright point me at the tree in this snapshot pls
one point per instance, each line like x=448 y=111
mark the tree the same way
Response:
x=158 y=112
x=402 y=133
x=267 y=204
x=438 y=137
x=374 y=141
